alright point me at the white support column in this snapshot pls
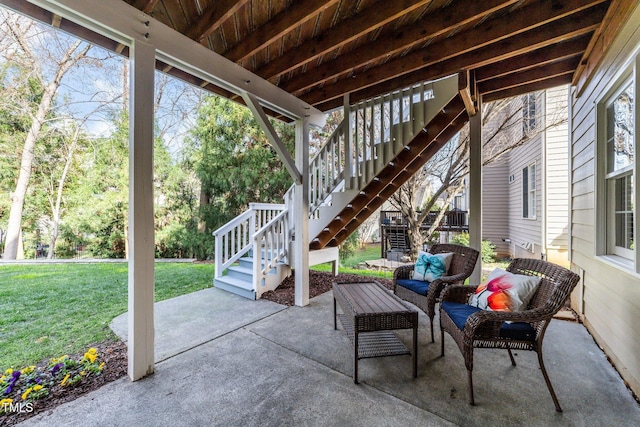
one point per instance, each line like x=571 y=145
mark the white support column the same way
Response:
x=475 y=188
x=301 y=202
x=348 y=143
x=141 y=238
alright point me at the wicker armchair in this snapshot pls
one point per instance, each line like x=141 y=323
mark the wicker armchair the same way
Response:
x=461 y=267
x=486 y=329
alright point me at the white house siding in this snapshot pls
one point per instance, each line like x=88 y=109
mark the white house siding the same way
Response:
x=608 y=296
x=495 y=205
x=525 y=233
x=557 y=177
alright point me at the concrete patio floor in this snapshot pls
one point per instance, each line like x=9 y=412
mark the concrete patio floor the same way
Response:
x=227 y=361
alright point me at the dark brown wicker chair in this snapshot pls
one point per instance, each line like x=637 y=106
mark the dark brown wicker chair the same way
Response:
x=461 y=267
x=486 y=329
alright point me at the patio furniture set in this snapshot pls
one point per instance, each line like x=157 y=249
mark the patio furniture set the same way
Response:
x=510 y=310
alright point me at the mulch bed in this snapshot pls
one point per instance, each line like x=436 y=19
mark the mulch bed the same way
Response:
x=114 y=353
x=319 y=283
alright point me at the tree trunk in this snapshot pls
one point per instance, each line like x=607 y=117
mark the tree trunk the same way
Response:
x=28 y=152
x=17 y=197
x=57 y=206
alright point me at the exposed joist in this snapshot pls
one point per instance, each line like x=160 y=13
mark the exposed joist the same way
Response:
x=619 y=12
x=260 y=116
x=343 y=33
x=381 y=79
x=212 y=17
x=283 y=22
x=536 y=58
x=528 y=76
x=435 y=24
x=531 y=87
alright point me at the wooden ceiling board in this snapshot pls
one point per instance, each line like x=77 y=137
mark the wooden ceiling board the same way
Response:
x=191 y=14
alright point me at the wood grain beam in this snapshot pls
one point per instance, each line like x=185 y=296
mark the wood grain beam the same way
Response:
x=432 y=25
x=619 y=12
x=561 y=68
x=530 y=87
x=212 y=17
x=392 y=76
x=491 y=31
x=285 y=21
x=542 y=56
x=342 y=33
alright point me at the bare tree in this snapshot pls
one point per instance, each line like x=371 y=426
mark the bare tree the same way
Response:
x=507 y=124
x=30 y=46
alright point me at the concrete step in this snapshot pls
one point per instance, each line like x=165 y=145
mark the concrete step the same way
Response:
x=235 y=286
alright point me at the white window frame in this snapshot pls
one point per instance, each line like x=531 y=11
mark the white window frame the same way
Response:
x=529 y=193
x=605 y=181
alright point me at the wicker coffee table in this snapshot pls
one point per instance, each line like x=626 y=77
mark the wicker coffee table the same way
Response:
x=370 y=313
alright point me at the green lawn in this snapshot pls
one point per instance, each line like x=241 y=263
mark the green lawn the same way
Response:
x=48 y=310
x=349 y=265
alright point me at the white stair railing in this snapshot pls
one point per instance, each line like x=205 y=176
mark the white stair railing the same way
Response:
x=236 y=238
x=378 y=129
x=272 y=241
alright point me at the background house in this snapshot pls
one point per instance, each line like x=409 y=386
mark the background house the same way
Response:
x=525 y=191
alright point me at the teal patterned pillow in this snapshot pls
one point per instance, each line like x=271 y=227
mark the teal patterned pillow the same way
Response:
x=430 y=267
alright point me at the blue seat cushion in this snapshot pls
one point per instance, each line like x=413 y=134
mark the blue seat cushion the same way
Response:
x=417 y=286
x=459 y=313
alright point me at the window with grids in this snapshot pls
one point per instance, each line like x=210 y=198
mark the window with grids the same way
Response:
x=529 y=111
x=619 y=174
x=529 y=191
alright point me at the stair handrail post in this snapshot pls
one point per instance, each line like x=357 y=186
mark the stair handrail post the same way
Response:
x=218 y=255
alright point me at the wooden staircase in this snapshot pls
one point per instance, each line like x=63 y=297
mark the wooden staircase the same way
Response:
x=379 y=145
x=414 y=155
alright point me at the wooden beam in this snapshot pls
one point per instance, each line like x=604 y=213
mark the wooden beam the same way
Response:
x=435 y=24
x=344 y=32
x=260 y=116
x=535 y=15
x=467 y=90
x=528 y=76
x=618 y=14
x=212 y=17
x=56 y=20
x=290 y=18
x=394 y=77
x=526 y=88
x=536 y=58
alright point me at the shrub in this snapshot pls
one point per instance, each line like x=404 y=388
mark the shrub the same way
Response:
x=488 y=248
x=348 y=247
